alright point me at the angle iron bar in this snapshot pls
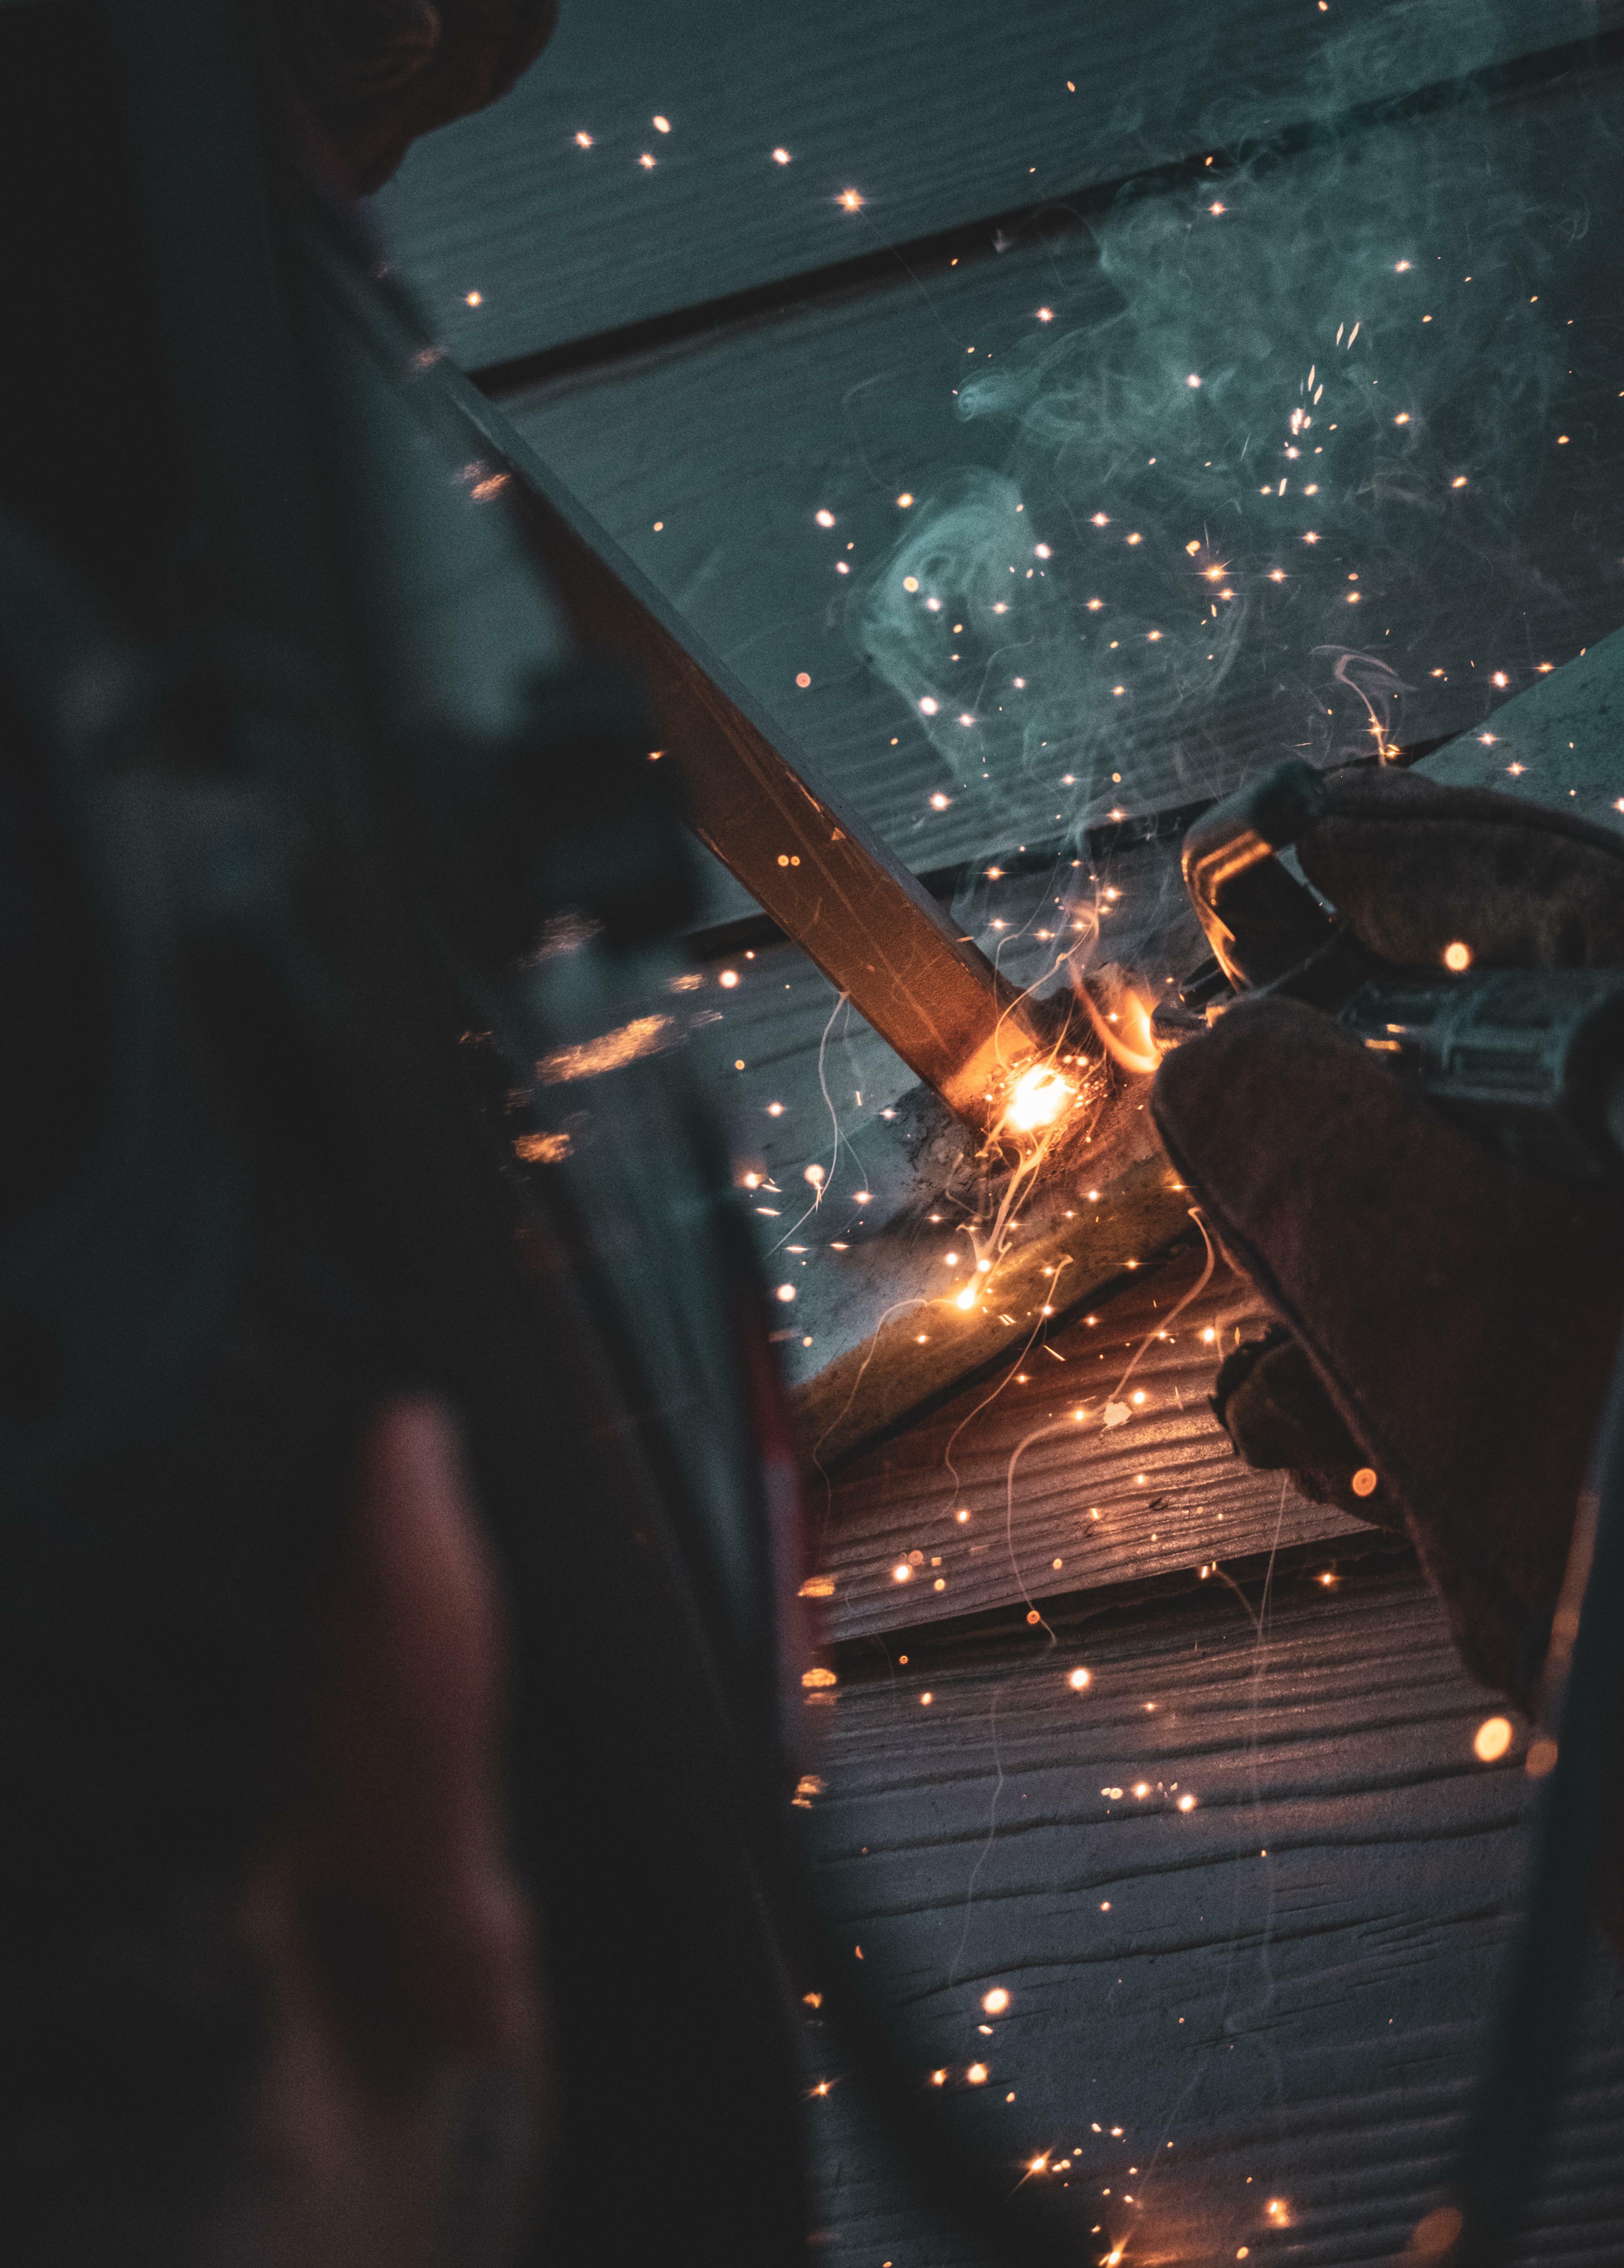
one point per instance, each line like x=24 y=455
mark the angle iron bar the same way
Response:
x=868 y=923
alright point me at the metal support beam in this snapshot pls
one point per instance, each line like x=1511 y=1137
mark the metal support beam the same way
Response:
x=871 y=927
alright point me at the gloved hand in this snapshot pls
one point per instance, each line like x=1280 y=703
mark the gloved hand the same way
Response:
x=1446 y=1324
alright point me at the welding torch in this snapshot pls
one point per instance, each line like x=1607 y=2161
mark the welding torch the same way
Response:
x=1530 y=1061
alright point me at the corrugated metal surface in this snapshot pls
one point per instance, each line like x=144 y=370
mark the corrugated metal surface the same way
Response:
x=935 y=115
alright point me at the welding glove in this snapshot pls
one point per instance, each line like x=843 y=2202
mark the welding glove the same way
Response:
x=1445 y=1324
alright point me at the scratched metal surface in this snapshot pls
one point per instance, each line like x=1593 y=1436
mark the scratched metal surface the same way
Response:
x=1461 y=533
x=1017 y=1492
x=1287 y=1982
x=938 y=115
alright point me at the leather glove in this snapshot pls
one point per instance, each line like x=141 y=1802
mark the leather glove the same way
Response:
x=1446 y=1324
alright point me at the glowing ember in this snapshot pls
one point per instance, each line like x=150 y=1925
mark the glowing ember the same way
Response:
x=1457 y=956
x=1491 y=1739
x=1078 y=1680
x=1040 y=1096
x=995 y=2001
x=543 y=1149
x=645 y=1035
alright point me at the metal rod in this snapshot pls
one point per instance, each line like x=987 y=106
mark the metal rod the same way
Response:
x=869 y=924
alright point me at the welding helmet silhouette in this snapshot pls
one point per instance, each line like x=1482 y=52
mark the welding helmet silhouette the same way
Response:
x=309 y=882
x=357 y=879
